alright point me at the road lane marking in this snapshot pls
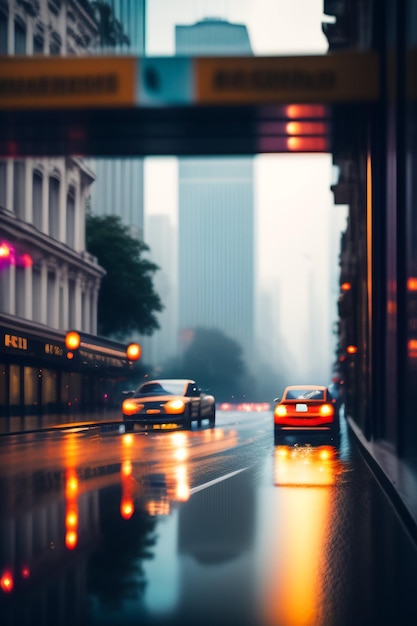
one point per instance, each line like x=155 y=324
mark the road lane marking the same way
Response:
x=216 y=480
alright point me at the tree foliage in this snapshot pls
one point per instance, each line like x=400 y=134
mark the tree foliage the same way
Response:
x=215 y=361
x=127 y=301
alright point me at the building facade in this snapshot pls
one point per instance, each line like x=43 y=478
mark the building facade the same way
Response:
x=216 y=231
x=49 y=283
x=375 y=148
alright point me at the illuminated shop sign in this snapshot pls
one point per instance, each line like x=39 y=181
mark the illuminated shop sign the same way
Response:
x=16 y=342
x=51 y=348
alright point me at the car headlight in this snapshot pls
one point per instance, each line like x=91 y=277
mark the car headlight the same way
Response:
x=131 y=408
x=280 y=410
x=174 y=407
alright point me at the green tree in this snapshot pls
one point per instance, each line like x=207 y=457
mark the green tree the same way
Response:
x=127 y=301
x=215 y=361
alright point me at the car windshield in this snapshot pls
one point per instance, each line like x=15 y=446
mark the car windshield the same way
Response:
x=170 y=387
x=305 y=394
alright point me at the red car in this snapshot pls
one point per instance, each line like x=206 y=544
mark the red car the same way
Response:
x=305 y=408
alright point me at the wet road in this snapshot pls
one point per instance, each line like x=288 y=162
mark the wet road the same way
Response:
x=213 y=526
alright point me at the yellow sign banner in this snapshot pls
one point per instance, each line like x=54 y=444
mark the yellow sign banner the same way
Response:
x=338 y=77
x=67 y=82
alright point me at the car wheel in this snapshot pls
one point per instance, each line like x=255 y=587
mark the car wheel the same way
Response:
x=278 y=438
x=129 y=426
x=212 y=418
x=187 y=419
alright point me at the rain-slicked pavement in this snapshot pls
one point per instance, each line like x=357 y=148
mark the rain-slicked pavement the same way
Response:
x=213 y=526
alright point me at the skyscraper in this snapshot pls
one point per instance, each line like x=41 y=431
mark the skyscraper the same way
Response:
x=216 y=215
x=119 y=181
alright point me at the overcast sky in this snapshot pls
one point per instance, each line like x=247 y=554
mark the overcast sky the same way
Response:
x=295 y=217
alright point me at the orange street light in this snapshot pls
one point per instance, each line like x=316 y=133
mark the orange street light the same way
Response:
x=346 y=286
x=133 y=351
x=351 y=349
x=72 y=340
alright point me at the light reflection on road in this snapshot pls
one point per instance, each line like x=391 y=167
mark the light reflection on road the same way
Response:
x=296 y=533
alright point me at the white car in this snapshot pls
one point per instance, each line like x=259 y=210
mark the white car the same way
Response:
x=168 y=401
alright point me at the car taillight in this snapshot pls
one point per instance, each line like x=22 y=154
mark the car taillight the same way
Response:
x=326 y=409
x=173 y=407
x=130 y=408
x=280 y=410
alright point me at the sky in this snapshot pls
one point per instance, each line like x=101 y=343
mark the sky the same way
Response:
x=297 y=225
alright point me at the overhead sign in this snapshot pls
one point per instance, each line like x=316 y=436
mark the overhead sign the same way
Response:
x=341 y=77
x=166 y=81
x=67 y=82
x=82 y=82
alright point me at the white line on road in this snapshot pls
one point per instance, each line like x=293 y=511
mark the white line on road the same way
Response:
x=216 y=480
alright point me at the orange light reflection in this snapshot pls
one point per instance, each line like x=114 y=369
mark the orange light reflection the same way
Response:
x=71 y=508
x=6 y=582
x=294 y=111
x=305 y=128
x=412 y=283
x=412 y=348
x=307 y=144
x=293 y=584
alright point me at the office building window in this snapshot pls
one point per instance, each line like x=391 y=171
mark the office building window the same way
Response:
x=38 y=44
x=3 y=34
x=55 y=45
x=19 y=37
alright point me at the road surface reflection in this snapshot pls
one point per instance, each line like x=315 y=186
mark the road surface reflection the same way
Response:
x=293 y=581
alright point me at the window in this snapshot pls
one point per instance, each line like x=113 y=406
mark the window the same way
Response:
x=3 y=382
x=71 y=218
x=19 y=37
x=71 y=303
x=53 y=222
x=49 y=388
x=37 y=199
x=55 y=45
x=38 y=44
x=19 y=188
x=3 y=34
x=36 y=300
x=51 y=308
x=20 y=291
x=3 y=174
x=31 y=386
x=14 y=385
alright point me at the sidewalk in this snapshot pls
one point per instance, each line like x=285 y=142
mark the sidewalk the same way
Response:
x=397 y=476
x=34 y=423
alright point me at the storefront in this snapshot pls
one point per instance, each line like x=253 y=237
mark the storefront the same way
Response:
x=38 y=374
